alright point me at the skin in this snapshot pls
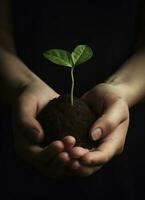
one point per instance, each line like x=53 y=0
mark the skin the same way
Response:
x=28 y=94
x=113 y=122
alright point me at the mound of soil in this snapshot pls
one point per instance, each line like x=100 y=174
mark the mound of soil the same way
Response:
x=59 y=118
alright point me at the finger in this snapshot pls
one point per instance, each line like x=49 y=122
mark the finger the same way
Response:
x=112 y=145
x=74 y=152
x=114 y=115
x=69 y=142
x=74 y=165
x=35 y=153
x=57 y=167
x=48 y=153
x=85 y=171
x=40 y=157
x=77 y=152
x=25 y=113
x=97 y=157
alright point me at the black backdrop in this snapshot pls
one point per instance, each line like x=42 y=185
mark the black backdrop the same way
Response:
x=109 y=28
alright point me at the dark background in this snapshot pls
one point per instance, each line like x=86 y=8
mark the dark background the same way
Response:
x=109 y=27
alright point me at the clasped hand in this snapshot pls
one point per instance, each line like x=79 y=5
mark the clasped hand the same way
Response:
x=63 y=157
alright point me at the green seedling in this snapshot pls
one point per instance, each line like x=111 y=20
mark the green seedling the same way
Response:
x=81 y=54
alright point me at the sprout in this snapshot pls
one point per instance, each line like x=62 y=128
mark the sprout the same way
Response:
x=81 y=54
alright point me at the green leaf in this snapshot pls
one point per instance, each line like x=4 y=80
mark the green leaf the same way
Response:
x=81 y=54
x=59 y=56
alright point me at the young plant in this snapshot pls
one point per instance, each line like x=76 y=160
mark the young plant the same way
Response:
x=81 y=54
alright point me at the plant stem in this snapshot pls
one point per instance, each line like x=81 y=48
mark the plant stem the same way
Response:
x=72 y=87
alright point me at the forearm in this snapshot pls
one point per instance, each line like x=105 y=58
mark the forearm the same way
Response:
x=14 y=74
x=130 y=79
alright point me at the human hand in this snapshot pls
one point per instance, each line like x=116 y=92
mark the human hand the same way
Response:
x=28 y=133
x=110 y=128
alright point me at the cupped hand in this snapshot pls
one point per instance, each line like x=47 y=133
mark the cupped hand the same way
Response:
x=28 y=133
x=110 y=128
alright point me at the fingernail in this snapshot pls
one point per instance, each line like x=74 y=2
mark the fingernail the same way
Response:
x=96 y=134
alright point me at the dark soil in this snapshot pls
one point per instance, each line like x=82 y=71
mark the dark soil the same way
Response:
x=59 y=118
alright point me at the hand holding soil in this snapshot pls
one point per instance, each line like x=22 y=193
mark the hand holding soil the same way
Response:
x=105 y=99
x=28 y=133
x=53 y=159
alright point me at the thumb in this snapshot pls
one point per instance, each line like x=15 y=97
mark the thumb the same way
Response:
x=114 y=115
x=25 y=110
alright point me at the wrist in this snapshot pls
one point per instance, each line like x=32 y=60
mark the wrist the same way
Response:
x=11 y=90
x=124 y=90
x=43 y=88
x=11 y=93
